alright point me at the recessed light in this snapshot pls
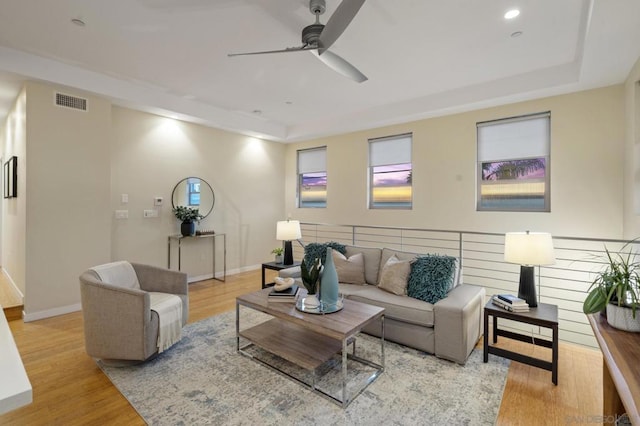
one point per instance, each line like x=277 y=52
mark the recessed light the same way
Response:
x=78 y=22
x=511 y=14
x=288 y=102
x=516 y=34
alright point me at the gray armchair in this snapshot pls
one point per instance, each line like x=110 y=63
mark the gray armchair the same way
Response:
x=119 y=320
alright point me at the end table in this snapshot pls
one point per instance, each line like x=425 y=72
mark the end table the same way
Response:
x=275 y=267
x=545 y=315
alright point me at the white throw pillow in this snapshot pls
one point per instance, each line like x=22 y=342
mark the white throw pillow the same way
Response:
x=394 y=276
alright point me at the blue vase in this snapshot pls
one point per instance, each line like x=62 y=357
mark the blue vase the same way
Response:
x=329 y=281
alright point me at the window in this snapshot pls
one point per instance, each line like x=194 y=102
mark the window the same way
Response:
x=312 y=177
x=513 y=164
x=390 y=174
x=193 y=192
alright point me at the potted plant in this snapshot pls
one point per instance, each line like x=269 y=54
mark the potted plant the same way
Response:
x=616 y=290
x=188 y=216
x=310 y=280
x=278 y=252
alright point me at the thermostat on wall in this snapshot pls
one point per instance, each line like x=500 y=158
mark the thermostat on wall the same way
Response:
x=157 y=201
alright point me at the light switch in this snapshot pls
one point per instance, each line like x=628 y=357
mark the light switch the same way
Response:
x=150 y=213
x=122 y=214
x=124 y=198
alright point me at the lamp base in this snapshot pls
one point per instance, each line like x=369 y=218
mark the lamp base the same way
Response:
x=527 y=287
x=288 y=253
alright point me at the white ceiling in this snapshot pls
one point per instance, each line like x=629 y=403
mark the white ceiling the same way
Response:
x=423 y=57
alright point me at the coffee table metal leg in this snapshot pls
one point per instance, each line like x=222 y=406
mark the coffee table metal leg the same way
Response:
x=345 y=400
x=382 y=341
x=237 y=327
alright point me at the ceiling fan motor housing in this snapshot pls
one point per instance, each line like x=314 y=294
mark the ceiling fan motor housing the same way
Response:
x=311 y=34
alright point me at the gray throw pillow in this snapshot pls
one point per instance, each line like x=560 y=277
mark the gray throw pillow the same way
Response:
x=351 y=270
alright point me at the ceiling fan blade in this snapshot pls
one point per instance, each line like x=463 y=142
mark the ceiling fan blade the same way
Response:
x=338 y=22
x=265 y=52
x=341 y=66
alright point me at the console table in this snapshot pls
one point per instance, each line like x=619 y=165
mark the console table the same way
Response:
x=178 y=238
x=620 y=373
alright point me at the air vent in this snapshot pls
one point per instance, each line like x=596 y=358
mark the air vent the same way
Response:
x=68 y=101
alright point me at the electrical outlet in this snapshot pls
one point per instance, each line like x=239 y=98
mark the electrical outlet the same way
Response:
x=150 y=213
x=157 y=201
x=122 y=214
x=124 y=198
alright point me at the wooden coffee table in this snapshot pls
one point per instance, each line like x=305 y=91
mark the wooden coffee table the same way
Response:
x=310 y=340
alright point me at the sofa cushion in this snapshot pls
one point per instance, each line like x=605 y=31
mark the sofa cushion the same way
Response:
x=348 y=290
x=371 y=261
x=351 y=270
x=401 y=308
x=394 y=276
x=431 y=278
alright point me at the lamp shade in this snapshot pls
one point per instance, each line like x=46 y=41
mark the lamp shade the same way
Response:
x=287 y=230
x=529 y=248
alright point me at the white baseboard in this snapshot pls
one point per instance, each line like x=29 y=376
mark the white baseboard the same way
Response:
x=219 y=274
x=14 y=287
x=51 y=312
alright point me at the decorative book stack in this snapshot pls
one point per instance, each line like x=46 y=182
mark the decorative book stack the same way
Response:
x=510 y=303
x=287 y=295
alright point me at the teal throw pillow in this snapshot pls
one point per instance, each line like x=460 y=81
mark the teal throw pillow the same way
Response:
x=319 y=250
x=431 y=277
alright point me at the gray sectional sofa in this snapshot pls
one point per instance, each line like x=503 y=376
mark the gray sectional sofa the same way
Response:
x=449 y=328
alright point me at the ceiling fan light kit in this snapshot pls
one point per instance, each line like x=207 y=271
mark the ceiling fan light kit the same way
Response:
x=317 y=38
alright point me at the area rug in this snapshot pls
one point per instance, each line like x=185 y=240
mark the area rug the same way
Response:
x=202 y=380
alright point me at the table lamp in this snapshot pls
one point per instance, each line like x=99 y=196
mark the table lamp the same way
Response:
x=288 y=230
x=528 y=249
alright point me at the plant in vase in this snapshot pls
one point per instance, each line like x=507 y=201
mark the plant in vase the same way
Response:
x=616 y=289
x=278 y=252
x=310 y=280
x=188 y=216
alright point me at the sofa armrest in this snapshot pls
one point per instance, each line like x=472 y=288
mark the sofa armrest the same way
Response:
x=458 y=322
x=293 y=272
x=114 y=318
x=153 y=278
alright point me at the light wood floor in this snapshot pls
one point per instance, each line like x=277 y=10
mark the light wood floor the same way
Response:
x=10 y=299
x=69 y=389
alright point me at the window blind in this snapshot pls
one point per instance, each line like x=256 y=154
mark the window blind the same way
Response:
x=521 y=137
x=391 y=150
x=312 y=160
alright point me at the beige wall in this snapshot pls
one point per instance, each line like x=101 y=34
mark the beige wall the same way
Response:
x=632 y=153
x=151 y=154
x=587 y=142
x=79 y=164
x=14 y=142
x=67 y=197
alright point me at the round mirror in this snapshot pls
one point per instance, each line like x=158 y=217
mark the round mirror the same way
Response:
x=194 y=192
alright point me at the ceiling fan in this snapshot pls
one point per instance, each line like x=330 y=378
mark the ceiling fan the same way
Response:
x=317 y=38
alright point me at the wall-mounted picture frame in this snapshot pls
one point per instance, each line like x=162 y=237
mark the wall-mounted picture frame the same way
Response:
x=11 y=177
x=5 y=179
